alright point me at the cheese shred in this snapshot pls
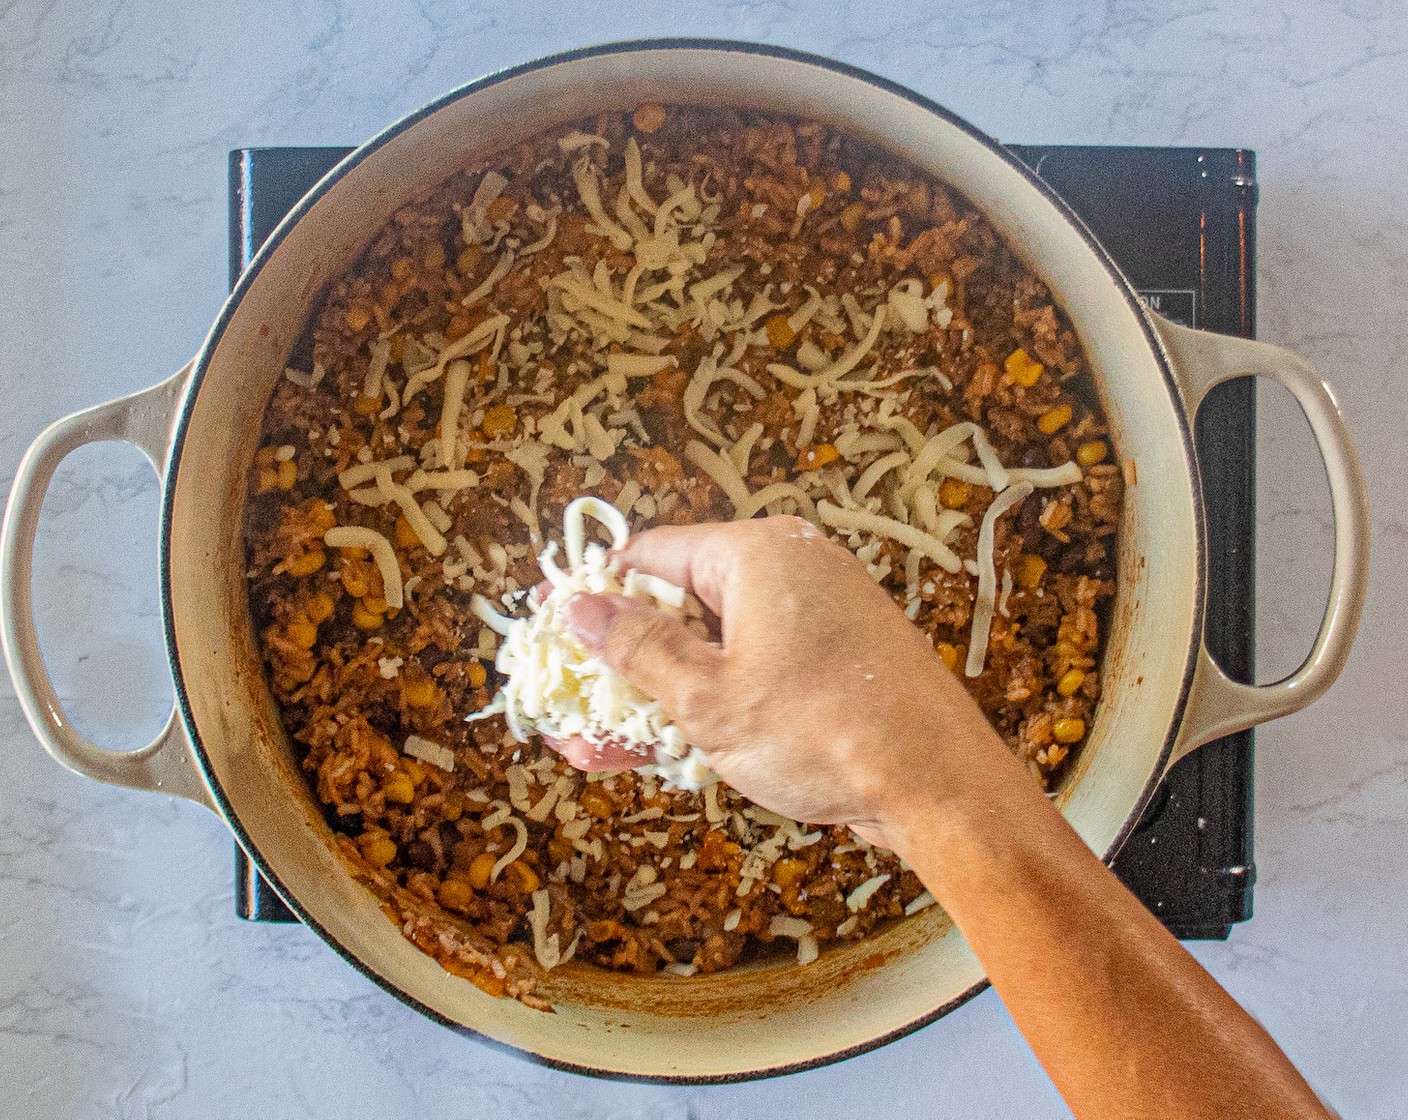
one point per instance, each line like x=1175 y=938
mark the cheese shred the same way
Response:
x=555 y=687
x=352 y=536
x=859 y=520
x=986 y=602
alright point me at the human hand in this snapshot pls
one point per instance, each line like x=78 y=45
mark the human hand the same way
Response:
x=823 y=702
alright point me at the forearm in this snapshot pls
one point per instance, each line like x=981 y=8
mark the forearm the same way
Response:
x=1123 y=1019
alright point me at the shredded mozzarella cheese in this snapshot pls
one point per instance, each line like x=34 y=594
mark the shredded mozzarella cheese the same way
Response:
x=428 y=751
x=858 y=520
x=721 y=470
x=776 y=492
x=429 y=535
x=554 y=686
x=456 y=378
x=861 y=895
x=352 y=536
x=986 y=601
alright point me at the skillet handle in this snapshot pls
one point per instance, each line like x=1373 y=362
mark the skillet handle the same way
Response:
x=1218 y=705
x=145 y=420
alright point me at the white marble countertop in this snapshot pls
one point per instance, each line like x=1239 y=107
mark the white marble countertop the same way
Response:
x=127 y=986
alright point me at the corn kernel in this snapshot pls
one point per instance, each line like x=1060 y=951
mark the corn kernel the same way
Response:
x=840 y=182
x=455 y=894
x=414 y=770
x=948 y=654
x=399 y=788
x=468 y=260
x=319 y=607
x=479 y=870
x=364 y=405
x=358 y=317
x=1022 y=369
x=1070 y=683
x=499 y=421
x=452 y=808
x=287 y=474
x=302 y=633
x=649 y=117
x=264 y=457
x=364 y=619
x=814 y=458
x=406 y=537
x=266 y=481
x=1089 y=454
x=354 y=582
x=378 y=848
x=476 y=674
x=597 y=802
x=1029 y=571
x=1053 y=421
x=434 y=256
x=305 y=563
x=816 y=196
x=320 y=515
x=527 y=879
x=780 y=332
x=374 y=603
x=474 y=454
x=1069 y=730
x=788 y=873
x=419 y=694
x=603 y=929
x=954 y=493
x=852 y=216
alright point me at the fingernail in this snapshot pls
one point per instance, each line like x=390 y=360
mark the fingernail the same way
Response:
x=590 y=618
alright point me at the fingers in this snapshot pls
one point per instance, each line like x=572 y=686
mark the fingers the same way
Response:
x=608 y=755
x=695 y=557
x=651 y=649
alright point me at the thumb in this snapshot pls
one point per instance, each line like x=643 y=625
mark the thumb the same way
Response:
x=653 y=650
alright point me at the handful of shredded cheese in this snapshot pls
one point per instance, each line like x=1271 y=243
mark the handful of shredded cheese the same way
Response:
x=554 y=686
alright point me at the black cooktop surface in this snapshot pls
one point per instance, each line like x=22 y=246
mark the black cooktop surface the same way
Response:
x=1180 y=222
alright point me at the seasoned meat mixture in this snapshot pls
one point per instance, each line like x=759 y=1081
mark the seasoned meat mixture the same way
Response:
x=695 y=314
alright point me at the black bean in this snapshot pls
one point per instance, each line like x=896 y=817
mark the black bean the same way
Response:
x=431 y=656
x=449 y=835
x=682 y=948
x=420 y=855
x=1029 y=521
x=1070 y=560
x=777 y=457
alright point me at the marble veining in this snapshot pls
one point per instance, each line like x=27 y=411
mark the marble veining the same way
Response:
x=127 y=986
